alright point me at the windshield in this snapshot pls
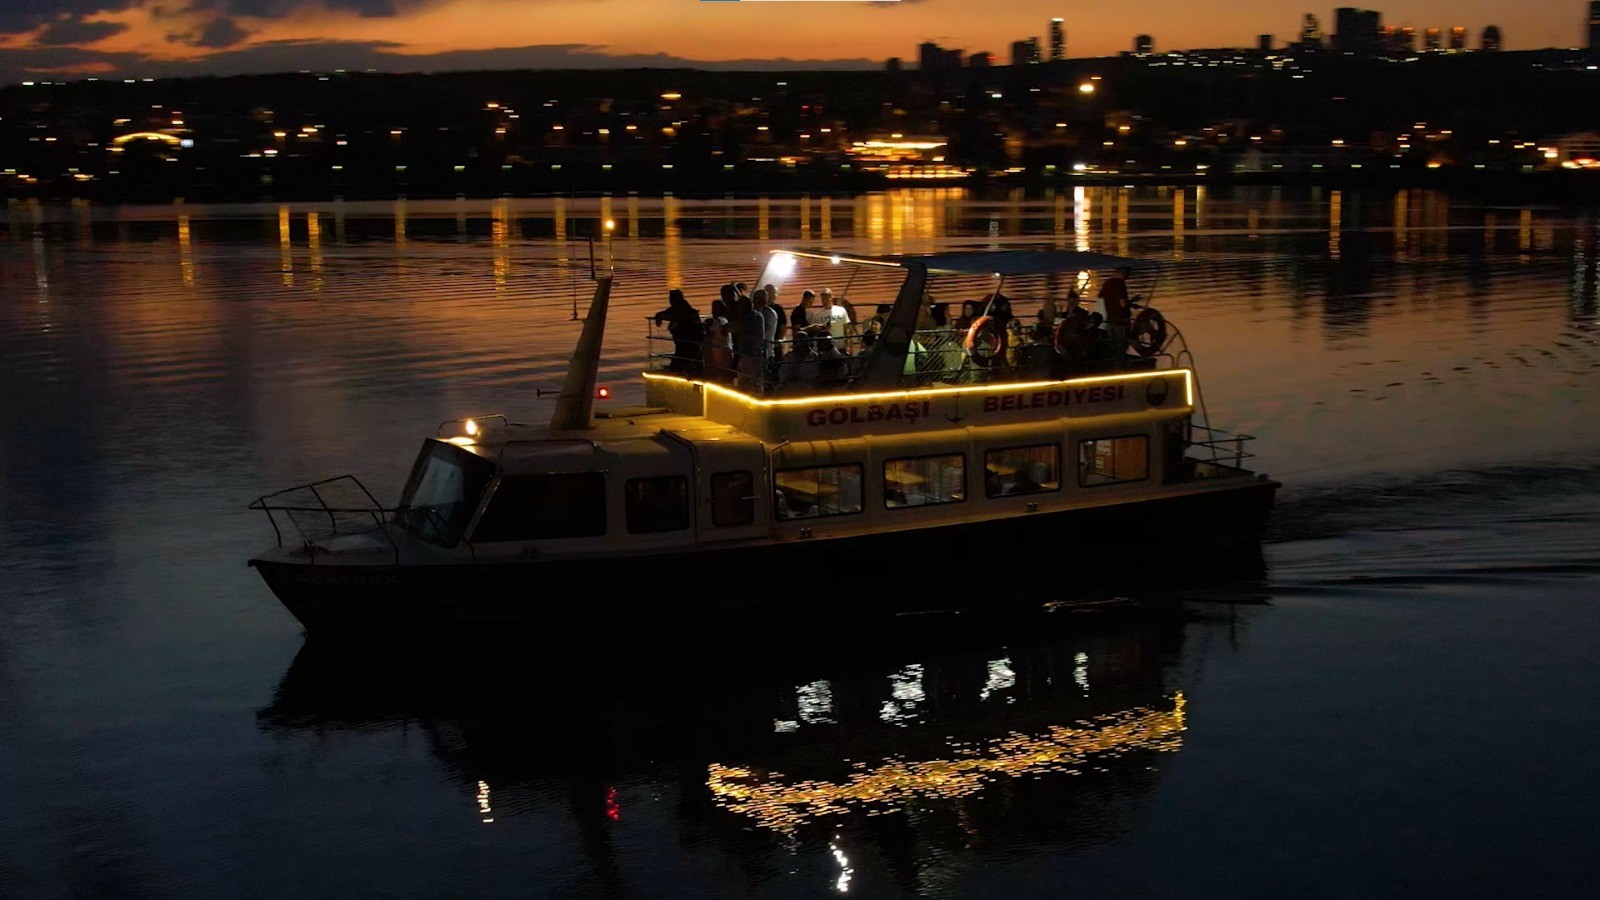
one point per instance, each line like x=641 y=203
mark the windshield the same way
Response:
x=443 y=493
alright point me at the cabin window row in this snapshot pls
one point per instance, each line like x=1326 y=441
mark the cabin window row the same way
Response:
x=573 y=505
x=822 y=491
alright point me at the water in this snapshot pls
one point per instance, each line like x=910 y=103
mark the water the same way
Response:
x=1401 y=702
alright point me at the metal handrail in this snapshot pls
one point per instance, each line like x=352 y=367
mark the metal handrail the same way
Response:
x=380 y=514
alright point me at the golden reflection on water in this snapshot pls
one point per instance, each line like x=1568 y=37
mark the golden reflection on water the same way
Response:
x=558 y=224
x=825 y=215
x=672 y=239
x=805 y=218
x=1335 y=222
x=1179 y=200
x=314 y=248
x=185 y=251
x=763 y=219
x=285 y=247
x=500 y=241
x=894 y=784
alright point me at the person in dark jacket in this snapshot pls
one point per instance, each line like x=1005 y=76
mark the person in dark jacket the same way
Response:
x=687 y=330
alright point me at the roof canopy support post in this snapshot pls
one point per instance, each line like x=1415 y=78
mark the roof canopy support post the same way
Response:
x=888 y=360
x=575 y=405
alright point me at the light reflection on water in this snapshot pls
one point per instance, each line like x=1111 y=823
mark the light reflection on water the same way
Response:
x=1420 y=371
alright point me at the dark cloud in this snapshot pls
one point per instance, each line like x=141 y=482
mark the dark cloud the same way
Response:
x=77 y=31
x=293 y=56
x=17 y=16
x=221 y=34
x=277 y=9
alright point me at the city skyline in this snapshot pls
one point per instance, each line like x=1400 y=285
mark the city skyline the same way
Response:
x=70 y=39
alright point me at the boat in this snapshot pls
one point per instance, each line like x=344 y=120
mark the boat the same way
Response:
x=945 y=455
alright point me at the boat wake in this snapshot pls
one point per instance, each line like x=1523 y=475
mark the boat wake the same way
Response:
x=1499 y=523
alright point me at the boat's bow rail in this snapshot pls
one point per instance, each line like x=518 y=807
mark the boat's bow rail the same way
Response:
x=1218 y=452
x=319 y=511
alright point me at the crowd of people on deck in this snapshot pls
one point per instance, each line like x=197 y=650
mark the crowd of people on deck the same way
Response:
x=742 y=342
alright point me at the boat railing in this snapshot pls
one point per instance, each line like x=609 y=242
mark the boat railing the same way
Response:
x=1219 y=449
x=332 y=507
x=938 y=357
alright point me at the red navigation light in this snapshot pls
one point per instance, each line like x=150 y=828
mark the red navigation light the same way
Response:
x=602 y=393
x=613 y=808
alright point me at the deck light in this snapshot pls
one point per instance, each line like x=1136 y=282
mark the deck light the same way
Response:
x=611 y=224
x=472 y=426
x=782 y=266
x=602 y=393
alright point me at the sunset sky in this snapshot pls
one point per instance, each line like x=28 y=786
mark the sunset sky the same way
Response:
x=75 y=38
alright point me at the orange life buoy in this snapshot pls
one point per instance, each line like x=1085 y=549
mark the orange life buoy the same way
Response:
x=1070 y=340
x=986 y=342
x=1149 y=333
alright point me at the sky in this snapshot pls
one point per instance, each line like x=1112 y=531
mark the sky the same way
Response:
x=69 y=39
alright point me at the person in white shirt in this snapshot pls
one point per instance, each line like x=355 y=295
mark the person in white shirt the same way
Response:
x=832 y=315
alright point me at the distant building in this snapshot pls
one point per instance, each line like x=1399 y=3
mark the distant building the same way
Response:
x=1310 y=33
x=1264 y=43
x=1357 y=30
x=933 y=58
x=1431 y=40
x=892 y=64
x=1492 y=42
x=980 y=60
x=1458 y=38
x=1058 y=41
x=1145 y=44
x=1025 y=52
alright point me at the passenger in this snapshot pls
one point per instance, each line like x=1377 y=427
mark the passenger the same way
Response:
x=940 y=314
x=1102 y=347
x=750 y=345
x=718 y=348
x=858 y=363
x=832 y=364
x=879 y=319
x=772 y=301
x=799 y=366
x=683 y=323
x=771 y=323
x=1114 y=294
x=1039 y=358
x=969 y=314
x=800 y=316
x=830 y=315
x=741 y=289
x=849 y=308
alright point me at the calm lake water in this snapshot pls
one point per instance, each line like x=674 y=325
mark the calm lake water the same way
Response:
x=1401 y=702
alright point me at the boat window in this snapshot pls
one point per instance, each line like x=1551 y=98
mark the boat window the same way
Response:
x=817 y=492
x=733 y=499
x=657 y=504
x=1113 y=460
x=924 y=481
x=443 y=493
x=1022 y=470
x=545 y=507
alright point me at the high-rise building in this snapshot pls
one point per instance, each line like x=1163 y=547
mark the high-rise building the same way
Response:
x=980 y=60
x=1144 y=44
x=1025 y=52
x=1431 y=40
x=1491 y=39
x=1458 y=38
x=1058 y=41
x=1311 y=33
x=1594 y=27
x=1264 y=43
x=1357 y=30
x=933 y=58
x=892 y=64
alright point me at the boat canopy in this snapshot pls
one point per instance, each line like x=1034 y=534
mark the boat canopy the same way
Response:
x=989 y=262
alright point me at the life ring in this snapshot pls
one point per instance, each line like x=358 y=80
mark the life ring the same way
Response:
x=1069 y=339
x=986 y=342
x=1149 y=333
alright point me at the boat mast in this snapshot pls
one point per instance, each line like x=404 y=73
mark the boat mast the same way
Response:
x=575 y=405
x=889 y=359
